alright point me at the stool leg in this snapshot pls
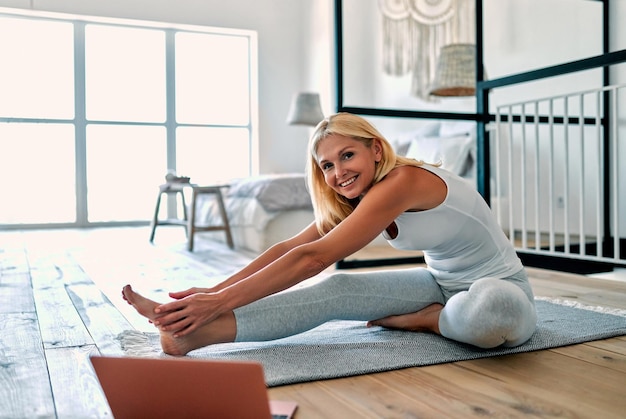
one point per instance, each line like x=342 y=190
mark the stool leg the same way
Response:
x=229 y=236
x=182 y=195
x=191 y=226
x=155 y=219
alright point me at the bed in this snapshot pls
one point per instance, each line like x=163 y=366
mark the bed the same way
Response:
x=263 y=210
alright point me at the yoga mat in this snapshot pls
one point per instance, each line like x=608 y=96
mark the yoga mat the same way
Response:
x=346 y=348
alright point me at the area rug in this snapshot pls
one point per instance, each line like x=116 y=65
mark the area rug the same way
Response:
x=346 y=348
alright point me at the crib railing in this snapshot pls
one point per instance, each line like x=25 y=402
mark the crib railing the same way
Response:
x=559 y=177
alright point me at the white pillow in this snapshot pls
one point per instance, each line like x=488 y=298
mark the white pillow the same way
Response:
x=456 y=128
x=452 y=152
x=401 y=143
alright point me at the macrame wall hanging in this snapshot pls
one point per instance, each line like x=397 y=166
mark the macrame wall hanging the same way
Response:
x=414 y=32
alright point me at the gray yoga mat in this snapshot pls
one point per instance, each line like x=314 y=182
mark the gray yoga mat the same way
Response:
x=346 y=348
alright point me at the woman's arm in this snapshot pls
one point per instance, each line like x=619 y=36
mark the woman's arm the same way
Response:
x=309 y=234
x=404 y=189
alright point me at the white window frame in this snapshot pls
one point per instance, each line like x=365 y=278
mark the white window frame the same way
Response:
x=80 y=122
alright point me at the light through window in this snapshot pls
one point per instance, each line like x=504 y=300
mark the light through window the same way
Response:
x=124 y=74
x=94 y=113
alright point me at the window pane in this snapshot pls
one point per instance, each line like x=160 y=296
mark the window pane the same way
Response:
x=212 y=79
x=125 y=74
x=37 y=70
x=213 y=155
x=37 y=168
x=126 y=80
x=125 y=166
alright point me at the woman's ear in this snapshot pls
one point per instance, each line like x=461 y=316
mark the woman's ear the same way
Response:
x=377 y=148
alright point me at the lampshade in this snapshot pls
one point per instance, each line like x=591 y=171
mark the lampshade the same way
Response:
x=305 y=109
x=456 y=71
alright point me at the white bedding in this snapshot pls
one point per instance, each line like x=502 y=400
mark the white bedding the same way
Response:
x=279 y=228
x=262 y=210
x=276 y=192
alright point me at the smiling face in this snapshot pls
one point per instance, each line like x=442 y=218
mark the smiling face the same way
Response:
x=348 y=164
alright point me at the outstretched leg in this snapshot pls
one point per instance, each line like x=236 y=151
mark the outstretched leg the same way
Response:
x=342 y=296
x=353 y=296
x=223 y=329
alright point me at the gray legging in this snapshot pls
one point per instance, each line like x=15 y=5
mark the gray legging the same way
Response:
x=492 y=312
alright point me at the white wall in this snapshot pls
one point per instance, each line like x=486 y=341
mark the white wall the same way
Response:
x=294 y=44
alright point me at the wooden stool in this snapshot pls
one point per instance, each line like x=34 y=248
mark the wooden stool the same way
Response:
x=190 y=223
x=193 y=229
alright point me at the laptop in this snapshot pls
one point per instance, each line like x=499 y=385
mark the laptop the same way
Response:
x=186 y=388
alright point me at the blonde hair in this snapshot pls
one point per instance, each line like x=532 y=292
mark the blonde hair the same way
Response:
x=329 y=207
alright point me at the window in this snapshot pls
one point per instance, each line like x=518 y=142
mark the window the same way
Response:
x=125 y=76
x=95 y=112
x=212 y=90
x=27 y=90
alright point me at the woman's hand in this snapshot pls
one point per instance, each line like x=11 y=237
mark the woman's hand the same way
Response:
x=187 y=314
x=186 y=293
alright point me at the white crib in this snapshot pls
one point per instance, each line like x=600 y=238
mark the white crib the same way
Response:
x=559 y=175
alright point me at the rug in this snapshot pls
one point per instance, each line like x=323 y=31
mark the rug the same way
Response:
x=347 y=348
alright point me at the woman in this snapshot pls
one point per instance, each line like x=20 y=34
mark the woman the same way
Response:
x=474 y=290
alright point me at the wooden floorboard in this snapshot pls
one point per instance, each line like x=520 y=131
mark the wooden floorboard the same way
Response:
x=77 y=393
x=24 y=383
x=545 y=382
x=53 y=316
x=101 y=318
x=60 y=323
x=16 y=294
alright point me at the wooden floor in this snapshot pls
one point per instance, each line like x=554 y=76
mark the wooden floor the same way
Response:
x=53 y=315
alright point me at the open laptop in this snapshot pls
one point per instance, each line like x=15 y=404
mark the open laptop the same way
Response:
x=186 y=388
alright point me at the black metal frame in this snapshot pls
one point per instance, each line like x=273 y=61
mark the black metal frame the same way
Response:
x=482 y=117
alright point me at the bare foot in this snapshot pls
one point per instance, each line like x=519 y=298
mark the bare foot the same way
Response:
x=143 y=305
x=425 y=320
x=223 y=329
x=430 y=317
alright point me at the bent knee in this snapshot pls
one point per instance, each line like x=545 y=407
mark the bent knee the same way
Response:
x=506 y=334
x=502 y=328
x=491 y=313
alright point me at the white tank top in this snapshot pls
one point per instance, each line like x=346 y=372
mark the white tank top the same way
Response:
x=460 y=238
